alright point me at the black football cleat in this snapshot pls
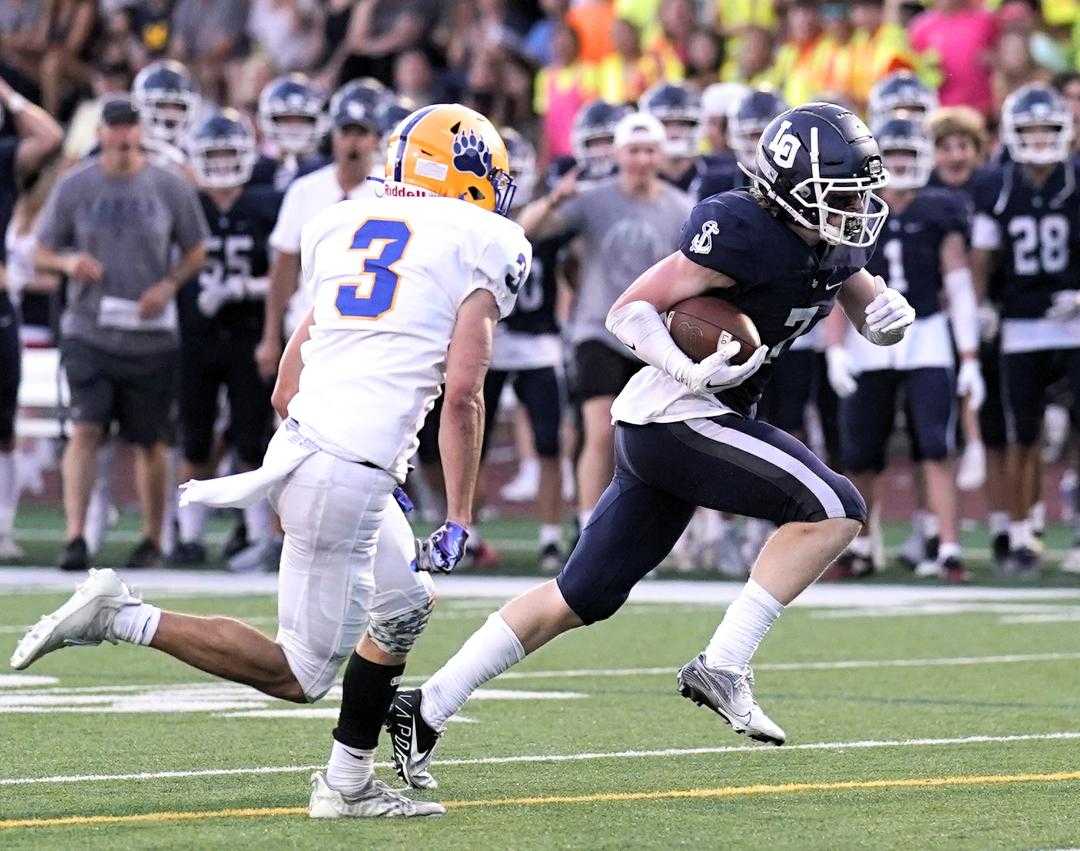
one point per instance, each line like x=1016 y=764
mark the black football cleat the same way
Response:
x=412 y=738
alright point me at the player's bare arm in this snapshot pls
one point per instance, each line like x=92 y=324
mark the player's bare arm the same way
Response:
x=462 y=424
x=154 y=301
x=283 y=276
x=39 y=133
x=541 y=219
x=288 y=374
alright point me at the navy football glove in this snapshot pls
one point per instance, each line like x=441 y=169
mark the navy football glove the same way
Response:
x=442 y=550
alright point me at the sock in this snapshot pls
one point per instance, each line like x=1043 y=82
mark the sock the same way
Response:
x=136 y=624
x=366 y=693
x=9 y=493
x=744 y=625
x=349 y=768
x=998 y=522
x=918 y=522
x=489 y=651
x=258 y=522
x=550 y=533
x=949 y=550
x=930 y=526
x=1037 y=516
x=1020 y=534
x=192 y=521
x=583 y=518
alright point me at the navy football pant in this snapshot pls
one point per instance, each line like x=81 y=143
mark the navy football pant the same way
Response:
x=663 y=471
x=538 y=390
x=1026 y=378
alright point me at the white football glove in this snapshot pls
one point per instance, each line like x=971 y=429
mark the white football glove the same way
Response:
x=970 y=384
x=1066 y=305
x=716 y=373
x=841 y=371
x=888 y=315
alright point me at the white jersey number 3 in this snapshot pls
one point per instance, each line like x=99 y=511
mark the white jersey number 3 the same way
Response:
x=784 y=146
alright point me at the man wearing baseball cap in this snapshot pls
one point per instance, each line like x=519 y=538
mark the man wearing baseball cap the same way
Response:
x=114 y=226
x=626 y=223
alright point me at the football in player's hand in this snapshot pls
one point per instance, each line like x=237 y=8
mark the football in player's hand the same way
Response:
x=698 y=324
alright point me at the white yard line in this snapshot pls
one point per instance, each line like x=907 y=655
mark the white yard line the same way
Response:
x=864 y=744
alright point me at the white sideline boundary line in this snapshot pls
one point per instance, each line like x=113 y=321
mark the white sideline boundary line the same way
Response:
x=574 y=673
x=863 y=744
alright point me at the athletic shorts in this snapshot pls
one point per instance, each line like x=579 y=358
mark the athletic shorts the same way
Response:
x=208 y=364
x=538 y=390
x=10 y=367
x=1026 y=380
x=137 y=393
x=992 y=424
x=599 y=370
x=664 y=471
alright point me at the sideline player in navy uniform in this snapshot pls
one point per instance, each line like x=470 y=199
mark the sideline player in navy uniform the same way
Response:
x=592 y=139
x=923 y=254
x=678 y=108
x=292 y=122
x=527 y=352
x=748 y=117
x=1028 y=214
x=39 y=136
x=221 y=320
x=783 y=253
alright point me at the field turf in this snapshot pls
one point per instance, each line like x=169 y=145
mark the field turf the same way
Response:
x=951 y=723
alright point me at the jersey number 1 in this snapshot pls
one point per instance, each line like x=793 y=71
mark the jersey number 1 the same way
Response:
x=383 y=242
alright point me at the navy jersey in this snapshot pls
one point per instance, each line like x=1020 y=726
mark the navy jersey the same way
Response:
x=229 y=291
x=909 y=258
x=1039 y=232
x=534 y=310
x=684 y=180
x=718 y=174
x=783 y=284
x=9 y=148
x=277 y=175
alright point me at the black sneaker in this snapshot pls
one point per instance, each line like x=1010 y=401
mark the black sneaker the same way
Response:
x=237 y=541
x=187 y=554
x=851 y=565
x=146 y=554
x=551 y=559
x=953 y=571
x=1024 y=563
x=412 y=738
x=75 y=555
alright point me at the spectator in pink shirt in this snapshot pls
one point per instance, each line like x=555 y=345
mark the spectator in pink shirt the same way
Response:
x=963 y=34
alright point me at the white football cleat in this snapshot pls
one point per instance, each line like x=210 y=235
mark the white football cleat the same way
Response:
x=928 y=569
x=729 y=693
x=1071 y=562
x=83 y=620
x=375 y=800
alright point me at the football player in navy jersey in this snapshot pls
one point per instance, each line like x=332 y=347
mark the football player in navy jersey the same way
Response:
x=527 y=352
x=292 y=123
x=900 y=95
x=678 y=108
x=592 y=138
x=923 y=254
x=1028 y=221
x=167 y=98
x=221 y=320
x=749 y=115
x=783 y=253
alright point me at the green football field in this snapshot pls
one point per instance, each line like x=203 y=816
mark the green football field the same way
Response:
x=952 y=720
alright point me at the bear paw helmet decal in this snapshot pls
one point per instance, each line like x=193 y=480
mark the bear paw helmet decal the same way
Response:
x=471 y=154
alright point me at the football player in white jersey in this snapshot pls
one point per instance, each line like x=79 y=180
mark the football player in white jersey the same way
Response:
x=406 y=292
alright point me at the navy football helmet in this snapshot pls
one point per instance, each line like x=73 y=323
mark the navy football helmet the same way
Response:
x=358 y=103
x=679 y=109
x=387 y=117
x=222 y=150
x=593 y=136
x=291 y=114
x=1037 y=125
x=522 y=164
x=747 y=118
x=900 y=95
x=819 y=164
x=906 y=151
x=168 y=101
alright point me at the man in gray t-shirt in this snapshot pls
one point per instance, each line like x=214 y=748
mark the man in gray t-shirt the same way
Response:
x=126 y=234
x=626 y=223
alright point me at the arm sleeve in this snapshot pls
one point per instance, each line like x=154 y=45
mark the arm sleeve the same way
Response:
x=189 y=224
x=501 y=267
x=286 y=234
x=56 y=227
x=985 y=232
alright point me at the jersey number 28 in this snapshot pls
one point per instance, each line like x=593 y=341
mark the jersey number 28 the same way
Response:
x=383 y=242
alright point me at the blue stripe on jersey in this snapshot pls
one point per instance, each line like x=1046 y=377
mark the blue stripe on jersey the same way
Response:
x=399 y=157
